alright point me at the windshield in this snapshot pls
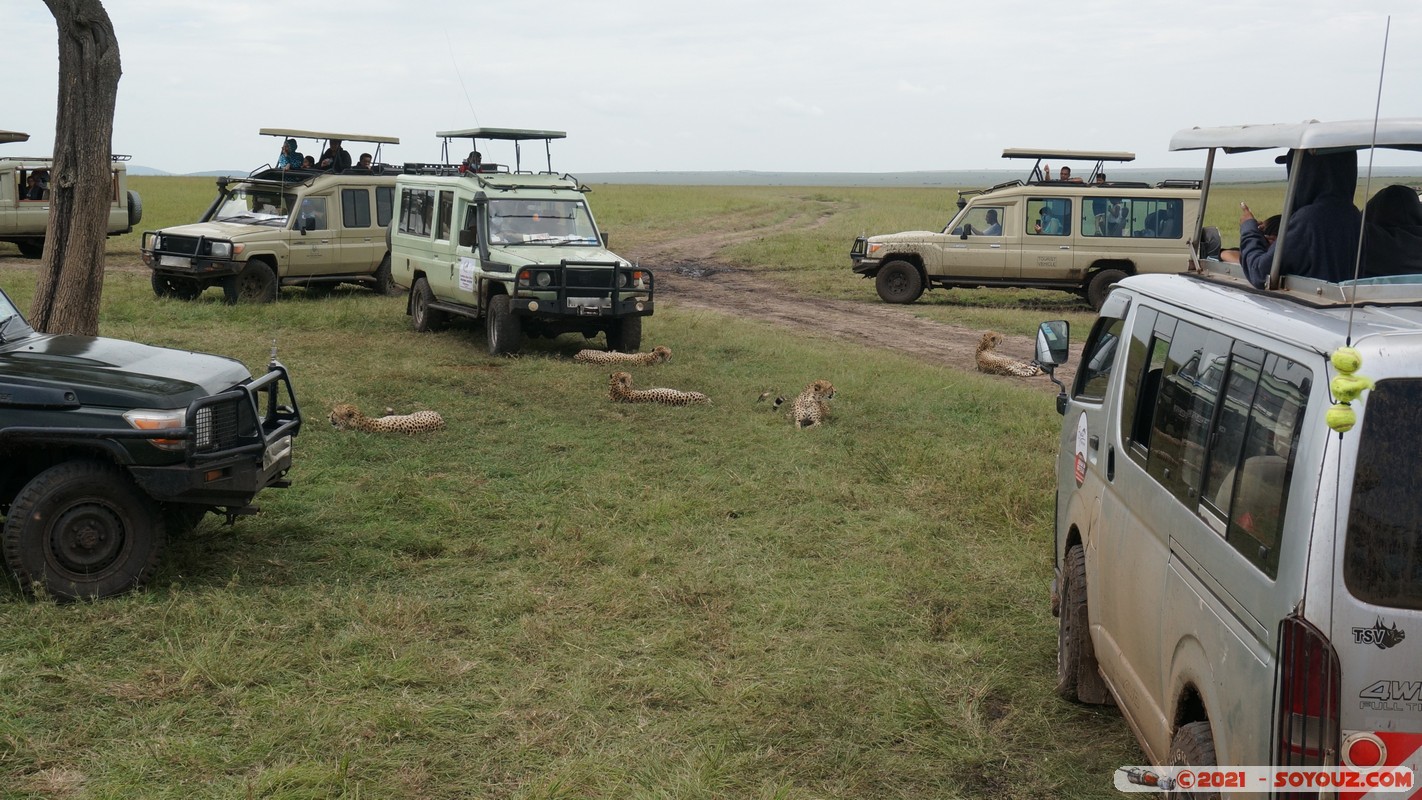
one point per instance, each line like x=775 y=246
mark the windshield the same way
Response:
x=541 y=222
x=254 y=206
x=11 y=323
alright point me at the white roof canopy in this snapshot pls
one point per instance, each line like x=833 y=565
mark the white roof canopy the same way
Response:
x=1400 y=134
x=507 y=134
x=13 y=136
x=1077 y=155
x=345 y=137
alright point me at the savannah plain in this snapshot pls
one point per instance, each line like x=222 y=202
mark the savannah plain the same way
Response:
x=556 y=597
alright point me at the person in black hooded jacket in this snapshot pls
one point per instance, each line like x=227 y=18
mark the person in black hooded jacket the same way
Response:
x=1321 y=236
x=1392 y=233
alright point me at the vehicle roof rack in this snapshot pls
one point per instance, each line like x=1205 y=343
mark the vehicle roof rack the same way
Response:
x=515 y=135
x=1040 y=154
x=1177 y=183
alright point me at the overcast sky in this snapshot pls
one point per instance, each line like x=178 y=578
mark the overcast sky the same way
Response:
x=770 y=85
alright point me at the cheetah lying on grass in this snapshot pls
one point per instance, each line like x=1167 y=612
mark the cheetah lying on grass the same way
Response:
x=622 y=392
x=812 y=406
x=995 y=364
x=603 y=358
x=345 y=417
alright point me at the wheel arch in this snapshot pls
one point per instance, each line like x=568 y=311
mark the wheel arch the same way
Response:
x=24 y=463
x=1123 y=264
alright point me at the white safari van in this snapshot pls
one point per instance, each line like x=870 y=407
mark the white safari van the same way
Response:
x=516 y=249
x=1241 y=579
x=1077 y=235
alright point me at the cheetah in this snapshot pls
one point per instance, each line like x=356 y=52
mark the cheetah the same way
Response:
x=995 y=364
x=603 y=358
x=346 y=417
x=812 y=406
x=622 y=392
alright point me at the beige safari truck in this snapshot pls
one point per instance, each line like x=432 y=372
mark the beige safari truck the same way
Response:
x=281 y=226
x=1040 y=233
x=1238 y=526
x=515 y=249
x=24 y=198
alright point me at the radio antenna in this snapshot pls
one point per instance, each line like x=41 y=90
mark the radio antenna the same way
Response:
x=460 y=76
x=1367 y=187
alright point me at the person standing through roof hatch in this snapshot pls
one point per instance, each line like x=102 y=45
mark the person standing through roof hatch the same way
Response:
x=335 y=159
x=289 y=158
x=1321 y=234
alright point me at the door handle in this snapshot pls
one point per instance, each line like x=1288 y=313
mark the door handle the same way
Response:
x=1110 y=462
x=1064 y=247
x=995 y=246
x=1095 y=441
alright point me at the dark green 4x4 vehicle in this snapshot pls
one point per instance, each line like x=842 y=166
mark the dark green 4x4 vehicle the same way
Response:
x=107 y=447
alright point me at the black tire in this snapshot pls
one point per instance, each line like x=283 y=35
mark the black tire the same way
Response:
x=424 y=318
x=1078 y=678
x=135 y=209
x=82 y=529
x=898 y=282
x=256 y=283
x=1193 y=746
x=31 y=248
x=384 y=283
x=173 y=286
x=625 y=335
x=504 y=331
x=1100 y=284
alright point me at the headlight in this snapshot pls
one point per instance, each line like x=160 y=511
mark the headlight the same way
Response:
x=152 y=241
x=220 y=249
x=873 y=248
x=147 y=419
x=543 y=279
x=622 y=280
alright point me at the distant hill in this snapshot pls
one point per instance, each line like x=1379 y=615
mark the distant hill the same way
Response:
x=944 y=178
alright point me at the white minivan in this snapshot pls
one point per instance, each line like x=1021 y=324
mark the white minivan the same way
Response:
x=1242 y=580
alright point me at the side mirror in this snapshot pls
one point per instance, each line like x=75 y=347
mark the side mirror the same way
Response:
x=466 y=237
x=1053 y=343
x=603 y=234
x=967 y=231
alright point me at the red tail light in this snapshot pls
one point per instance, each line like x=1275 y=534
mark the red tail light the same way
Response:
x=1308 y=706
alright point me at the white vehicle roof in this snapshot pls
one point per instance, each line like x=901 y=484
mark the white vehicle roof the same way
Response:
x=506 y=134
x=1079 y=155
x=345 y=137
x=13 y=136
x=1400 y=134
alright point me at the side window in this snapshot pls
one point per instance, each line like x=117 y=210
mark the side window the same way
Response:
x=1173 y=460
x=1256 y=489
x=1230 y=426
x=1097 y=360
x=416 y=206
x=981 y=221
x=1049 y=216
x=1137 y=358
x=1106 y=216
x=355 y=208
x=313 y=214
x=1157 y=219
x=471 y=219
x=384 y=199
x=446 y=214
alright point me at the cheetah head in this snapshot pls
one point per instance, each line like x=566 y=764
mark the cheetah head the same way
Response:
x=343 y=416
x=990 y=340
x=662 y=353
x=822 y=389
x=621 y=380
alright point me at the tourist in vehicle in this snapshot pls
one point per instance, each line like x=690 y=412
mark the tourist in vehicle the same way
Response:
x=473 y=162
x=290 y=158
x=1117 y=217
x=1321 y=235
x=1270 y=229
x=335 y=159
x=308 y=162
x=1048 y=225
x=365 y=161
x=1392 y=233
x=34 y=187
x=994 y=227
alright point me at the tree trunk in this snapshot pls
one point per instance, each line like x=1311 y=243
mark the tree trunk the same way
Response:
x=81 y=180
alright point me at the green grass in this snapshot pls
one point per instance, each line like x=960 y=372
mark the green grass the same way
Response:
x=559 y=597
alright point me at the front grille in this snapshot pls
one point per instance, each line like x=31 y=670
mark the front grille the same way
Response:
x=588 y=278
x=181 y=245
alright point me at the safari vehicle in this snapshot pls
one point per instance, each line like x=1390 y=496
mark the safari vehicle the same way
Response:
x=24 y=222
x=1041 y=234
x=514 y=248
x=109 y=447
x=1237 y=567
x=282 y=227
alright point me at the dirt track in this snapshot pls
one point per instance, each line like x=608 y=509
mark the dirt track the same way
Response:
x=690 y=276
